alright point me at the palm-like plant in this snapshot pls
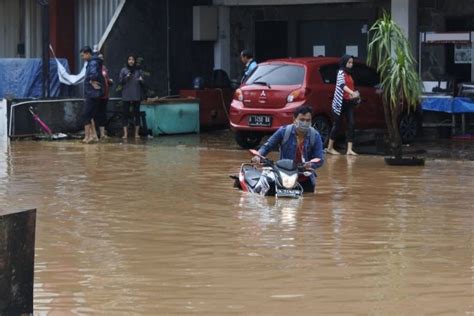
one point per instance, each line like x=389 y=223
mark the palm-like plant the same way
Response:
x=390 y=53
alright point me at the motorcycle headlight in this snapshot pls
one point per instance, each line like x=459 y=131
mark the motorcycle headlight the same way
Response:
x=288 y=181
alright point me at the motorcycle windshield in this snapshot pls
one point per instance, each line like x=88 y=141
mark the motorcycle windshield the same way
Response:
x=288 y=165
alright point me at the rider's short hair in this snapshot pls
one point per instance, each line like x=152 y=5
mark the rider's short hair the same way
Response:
x=302 y=110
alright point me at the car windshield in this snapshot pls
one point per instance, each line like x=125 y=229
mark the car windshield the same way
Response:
x=277 y=74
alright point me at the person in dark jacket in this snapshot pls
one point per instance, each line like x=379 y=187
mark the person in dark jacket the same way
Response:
x=131 y=79
x=93 y=91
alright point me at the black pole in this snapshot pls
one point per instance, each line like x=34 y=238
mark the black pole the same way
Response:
x=45 y=46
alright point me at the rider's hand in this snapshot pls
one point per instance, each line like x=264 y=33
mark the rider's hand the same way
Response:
x=255 y=159
x=308 y=165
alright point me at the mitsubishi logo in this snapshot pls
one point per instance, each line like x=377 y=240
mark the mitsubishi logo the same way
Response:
x=263 y=95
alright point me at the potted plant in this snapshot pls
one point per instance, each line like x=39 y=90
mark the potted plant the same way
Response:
x=390 y=53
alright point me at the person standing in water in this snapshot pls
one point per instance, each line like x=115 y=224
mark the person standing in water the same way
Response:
x=100 y=118
x=131 y=79
x=344 y=101
x=93 y=91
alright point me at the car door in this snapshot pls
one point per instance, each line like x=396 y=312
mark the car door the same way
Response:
x=369 y=113
x=324 y=93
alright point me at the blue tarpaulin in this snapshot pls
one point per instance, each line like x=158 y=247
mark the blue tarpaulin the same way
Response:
x=438 y=104
x=448 y=104
x=22 y=78
x=463 y=105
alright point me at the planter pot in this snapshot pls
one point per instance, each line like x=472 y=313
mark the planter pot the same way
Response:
x=412 y=161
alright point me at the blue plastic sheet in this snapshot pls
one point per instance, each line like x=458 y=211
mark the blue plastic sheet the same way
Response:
x=463 y=105
x=22 y=78
x=448 y=104
x=438 y=104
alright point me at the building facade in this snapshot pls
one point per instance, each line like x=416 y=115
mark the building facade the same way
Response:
x=180 y=40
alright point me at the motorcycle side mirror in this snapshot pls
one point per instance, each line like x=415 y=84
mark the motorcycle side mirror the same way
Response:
x=307 y=173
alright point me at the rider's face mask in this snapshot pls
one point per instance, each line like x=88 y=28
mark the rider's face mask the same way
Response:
x=302 y=126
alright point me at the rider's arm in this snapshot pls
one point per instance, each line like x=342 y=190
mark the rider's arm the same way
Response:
x=273 y=142
x=317 y=152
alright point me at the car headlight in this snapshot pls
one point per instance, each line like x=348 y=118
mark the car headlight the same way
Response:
x=288 y=181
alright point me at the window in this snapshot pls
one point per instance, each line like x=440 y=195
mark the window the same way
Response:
x=365 y=76
x=278 y=74
x=329 y=73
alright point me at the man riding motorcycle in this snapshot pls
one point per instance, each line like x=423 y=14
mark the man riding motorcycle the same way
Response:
x=299 y=142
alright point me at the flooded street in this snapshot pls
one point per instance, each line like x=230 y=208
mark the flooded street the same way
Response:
x=155 y=227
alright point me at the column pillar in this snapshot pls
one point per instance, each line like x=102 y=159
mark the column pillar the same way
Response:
x=404 y=13
x=62 y=29
x=222 y=46
x=472 y=56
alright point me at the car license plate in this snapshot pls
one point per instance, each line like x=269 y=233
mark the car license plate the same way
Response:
x=260 y=120
x=288 y=193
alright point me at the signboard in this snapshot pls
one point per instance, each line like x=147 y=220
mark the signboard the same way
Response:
x=319 y=50
x=462 y=54
x=352 y=50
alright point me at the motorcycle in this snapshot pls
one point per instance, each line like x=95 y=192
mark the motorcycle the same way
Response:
x=278 y=178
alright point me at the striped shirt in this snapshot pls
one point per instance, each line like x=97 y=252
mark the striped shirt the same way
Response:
x=343 y=79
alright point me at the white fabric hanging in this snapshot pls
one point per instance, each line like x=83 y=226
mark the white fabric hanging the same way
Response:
x=67 y=78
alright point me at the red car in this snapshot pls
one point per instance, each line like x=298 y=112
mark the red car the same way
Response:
x=276 y=88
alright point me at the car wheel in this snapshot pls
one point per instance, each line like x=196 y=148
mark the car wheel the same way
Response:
x=248 y=140
x=322 y=125
x=409 y=127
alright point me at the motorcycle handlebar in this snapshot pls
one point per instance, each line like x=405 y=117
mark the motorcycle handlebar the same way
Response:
x=268 y=162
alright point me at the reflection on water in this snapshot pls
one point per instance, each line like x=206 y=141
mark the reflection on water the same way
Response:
x=157 y=228
x=269 y=210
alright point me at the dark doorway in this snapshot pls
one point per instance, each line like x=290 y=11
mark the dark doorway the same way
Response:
x=271 y=40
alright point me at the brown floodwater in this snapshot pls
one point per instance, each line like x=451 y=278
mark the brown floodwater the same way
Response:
x=155 y=227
